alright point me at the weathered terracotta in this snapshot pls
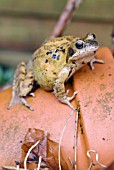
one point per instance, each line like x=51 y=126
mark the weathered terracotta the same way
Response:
x=96 y=96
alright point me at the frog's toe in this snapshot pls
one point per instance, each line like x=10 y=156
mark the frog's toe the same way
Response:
x=95 y=60
x=16 y=99
x=72 y=97
x=69 y=104
x=67 y=99
x=26 y=104
x=32 y=94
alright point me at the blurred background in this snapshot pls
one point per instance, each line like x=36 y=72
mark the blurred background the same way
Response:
x=25 y=24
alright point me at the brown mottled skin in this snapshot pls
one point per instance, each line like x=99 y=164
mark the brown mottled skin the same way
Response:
x=52 y=65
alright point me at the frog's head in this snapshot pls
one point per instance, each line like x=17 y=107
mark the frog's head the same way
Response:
x=84 y=47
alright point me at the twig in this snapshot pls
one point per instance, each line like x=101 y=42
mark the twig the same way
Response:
x=15 y=168
x=112 y=35
x=39 y=163
x=17 y=164
x=59 y=151
x=97 y=160
x=75 y=141
x=65 y=17
x=27 y=155
x=25 y=160
x=11 y=168
x=71 y=162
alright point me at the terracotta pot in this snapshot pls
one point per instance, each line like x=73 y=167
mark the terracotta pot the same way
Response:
x=96 y=125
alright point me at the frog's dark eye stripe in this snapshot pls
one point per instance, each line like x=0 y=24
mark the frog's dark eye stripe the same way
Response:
x=70 y=51
x=69 y=54
x=79 y=44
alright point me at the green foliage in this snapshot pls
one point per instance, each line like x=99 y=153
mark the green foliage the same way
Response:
x=6 y=75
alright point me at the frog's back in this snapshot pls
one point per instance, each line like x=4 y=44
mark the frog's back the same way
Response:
x=49 y=60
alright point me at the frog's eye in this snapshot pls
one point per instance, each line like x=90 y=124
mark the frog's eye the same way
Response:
x=90 y=36
x=79 y=44
x=94 y=37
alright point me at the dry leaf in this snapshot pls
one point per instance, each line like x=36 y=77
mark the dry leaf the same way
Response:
x=47 y=149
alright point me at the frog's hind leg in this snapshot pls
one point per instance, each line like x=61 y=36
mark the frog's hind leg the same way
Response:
x=22 y=85
x=59 y=88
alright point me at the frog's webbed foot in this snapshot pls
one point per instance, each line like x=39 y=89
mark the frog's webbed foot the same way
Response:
x=16 y=99
x=67 y=99
x=95 y=60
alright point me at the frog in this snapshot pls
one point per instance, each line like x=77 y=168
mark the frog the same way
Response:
x=52 y=66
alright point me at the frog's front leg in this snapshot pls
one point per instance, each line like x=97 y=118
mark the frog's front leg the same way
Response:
x=95 y=60
x=59 y=88
x=22 y=85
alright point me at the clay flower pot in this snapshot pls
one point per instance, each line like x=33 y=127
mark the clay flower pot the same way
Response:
x=96 y=125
